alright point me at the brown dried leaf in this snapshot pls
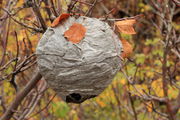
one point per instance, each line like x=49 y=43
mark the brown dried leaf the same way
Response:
x=60 y=19
x=127 y=48
x=75 y=33
x=126 y=26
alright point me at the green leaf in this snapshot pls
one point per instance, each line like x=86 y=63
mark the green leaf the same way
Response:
x=140 y=58
x=158 y=52
x=152 y=42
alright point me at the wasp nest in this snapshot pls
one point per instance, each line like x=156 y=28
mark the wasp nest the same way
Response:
x=83 y=70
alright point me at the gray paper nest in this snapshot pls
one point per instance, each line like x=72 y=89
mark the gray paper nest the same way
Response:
x=79 y=71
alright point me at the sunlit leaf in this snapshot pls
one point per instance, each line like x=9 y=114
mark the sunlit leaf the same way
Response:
x=157 y=87
x=139 y=89
x=172 y=92
x=100 y=102
x=123 y=81
x=178 y=78
x=127 y=48
x=59 y=19
x=140 y=58
x=149 y=106
x=126 y=26
x=75 y=33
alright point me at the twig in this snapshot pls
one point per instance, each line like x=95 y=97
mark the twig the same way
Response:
x=156 y=6
x=16 y=12
x=41 y=89
x=2 y=101
x=120 y=19
x=71 y=6
x=86 y=3
x=43 y=107
x=39 y=16
x=4 y=42
x=167 y=38
x=21 y=66
x=22 y=24
x=90 y=9
x=27 y=67
x=48 y=10
x=7 y=64
x=176 y=107
x=54 y=9
x=12 y=81
x=116 y=93
x=20 y=96
x=132 y=105
x=176 y=2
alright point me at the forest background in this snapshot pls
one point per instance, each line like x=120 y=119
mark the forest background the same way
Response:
x=146 y=88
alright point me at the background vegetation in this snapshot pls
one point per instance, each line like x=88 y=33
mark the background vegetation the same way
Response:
x=146 y=88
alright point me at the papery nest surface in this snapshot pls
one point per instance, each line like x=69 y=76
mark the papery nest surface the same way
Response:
x=83 y=70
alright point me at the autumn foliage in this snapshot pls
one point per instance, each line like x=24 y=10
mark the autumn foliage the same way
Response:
x=126 y=26
x=127 y=48
x=75 y=33
x=60 y=19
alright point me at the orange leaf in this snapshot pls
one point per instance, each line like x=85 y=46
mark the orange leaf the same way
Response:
x=126 y=26
x=127 y=48
x=75 y=33
x=60 y=19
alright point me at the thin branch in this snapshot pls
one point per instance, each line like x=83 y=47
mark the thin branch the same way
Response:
x=5 y=41
x=48 y=10
x=85 y=3
x=7 y=64
x=20 y=96
x=39 y=15
x=21 y=66
x=12 y=81
x=22 y=24
x=71 y=6
x=133 y=107
x=91 y=8
x=53 y=8
x=176 y=2
x=43 y=107
x=120 y=19
x=42 y=87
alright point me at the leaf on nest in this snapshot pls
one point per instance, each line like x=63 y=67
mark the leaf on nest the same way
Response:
x=127 y=48
x=59 y=19
x=126 y=26
x=75 y=33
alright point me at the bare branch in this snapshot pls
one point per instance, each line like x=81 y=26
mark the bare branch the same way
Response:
x=176 y=2
x=20 y=96
x=22 y=24
x=38 y=15
x=43 y=107
x=91 y=8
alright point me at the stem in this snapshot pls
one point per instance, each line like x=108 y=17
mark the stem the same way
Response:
x=39 y=16
x=20 y=96
x=133 y=107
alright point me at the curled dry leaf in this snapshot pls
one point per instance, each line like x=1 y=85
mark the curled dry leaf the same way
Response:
x=126 y=26
x=127 y=48
x=75 y=33
x=60 y=19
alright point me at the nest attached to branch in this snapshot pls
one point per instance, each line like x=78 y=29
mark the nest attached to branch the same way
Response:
x=79 y=71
